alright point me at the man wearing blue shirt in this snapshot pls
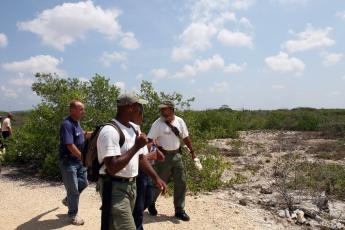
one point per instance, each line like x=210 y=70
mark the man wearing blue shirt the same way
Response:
x=73 y=172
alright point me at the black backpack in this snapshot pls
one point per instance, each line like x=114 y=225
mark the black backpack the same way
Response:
x=89 y=151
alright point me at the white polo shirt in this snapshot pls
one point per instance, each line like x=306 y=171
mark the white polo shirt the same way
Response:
x=5 y=124
x=164 y=136
x=108 y=145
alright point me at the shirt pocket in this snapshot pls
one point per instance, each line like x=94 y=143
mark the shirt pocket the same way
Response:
x=167 y=131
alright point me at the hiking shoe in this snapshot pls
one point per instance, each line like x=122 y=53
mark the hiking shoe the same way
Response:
x=77 y=220
x=152 y=210
x=182 y=216
x=64 y=201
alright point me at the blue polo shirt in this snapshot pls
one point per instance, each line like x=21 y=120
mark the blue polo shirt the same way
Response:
x=70 y=133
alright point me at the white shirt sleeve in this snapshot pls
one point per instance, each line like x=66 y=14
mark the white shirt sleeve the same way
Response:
x=154 y=131
x=108 y=143
x=184 y=129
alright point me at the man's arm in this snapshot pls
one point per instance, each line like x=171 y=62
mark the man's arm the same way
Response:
x=74 y=150
x=116 y=163
x=154 y=155
x=145 y=166
x=87 y=134
x=188 y=142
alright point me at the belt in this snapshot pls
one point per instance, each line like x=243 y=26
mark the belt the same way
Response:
x=169 y=151
x=119 y=179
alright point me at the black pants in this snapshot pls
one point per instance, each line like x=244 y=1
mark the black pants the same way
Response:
x=5 y=134
x=144 y=198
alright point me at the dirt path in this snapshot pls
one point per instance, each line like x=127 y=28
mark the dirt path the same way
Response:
x=28 y=204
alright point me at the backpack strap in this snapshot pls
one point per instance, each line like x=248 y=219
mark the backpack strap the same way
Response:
x=116 y=126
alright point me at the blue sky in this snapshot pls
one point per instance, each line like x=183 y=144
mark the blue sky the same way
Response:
x=251 y=54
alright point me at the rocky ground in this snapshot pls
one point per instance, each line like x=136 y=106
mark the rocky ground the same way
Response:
x=255 y=157
x=251 y=201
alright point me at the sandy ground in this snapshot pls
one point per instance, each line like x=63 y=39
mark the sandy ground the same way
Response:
x=33 y=204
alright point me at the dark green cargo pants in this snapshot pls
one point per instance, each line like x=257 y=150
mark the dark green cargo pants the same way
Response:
x=172 y=166
x=122 y=204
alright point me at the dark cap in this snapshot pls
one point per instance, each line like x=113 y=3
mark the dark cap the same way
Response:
x=166 y=104
x=129 y=98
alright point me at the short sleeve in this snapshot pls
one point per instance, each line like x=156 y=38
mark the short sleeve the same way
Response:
x=108 y=143
x=184 y=130
x=66 y=133
x=154 y=131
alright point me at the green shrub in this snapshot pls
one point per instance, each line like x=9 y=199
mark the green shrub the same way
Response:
x=209 y=178
x=50 y=167
x=318 y=177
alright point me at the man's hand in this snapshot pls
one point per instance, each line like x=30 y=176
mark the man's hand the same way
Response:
x=161 y=185
x=159 y=155
x=87 y=135
x=141 y=141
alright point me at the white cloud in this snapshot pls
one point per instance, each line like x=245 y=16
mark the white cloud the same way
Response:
x=120 y=84
x=278 y=87
x=159 y=73
x=332 y=58
x=35 y=64
x=292 y=2
x=242 y=4
x=7 y=92
x=229 y=38
x=195 y=37
x=219 y=87
x=208 y=18
x=129 y=41
x=199 y=66
x=311 y=38
x=246 y=22
x=22 y=81
x=181 y=53
x=216 y=62
x=234 y=68
x=107 y=58
x=3 y=40
x=63 y=24
x=341 y=14
x=282 y=63
x=343 y=77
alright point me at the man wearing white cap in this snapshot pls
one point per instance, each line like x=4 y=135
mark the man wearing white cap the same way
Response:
x=167 y=131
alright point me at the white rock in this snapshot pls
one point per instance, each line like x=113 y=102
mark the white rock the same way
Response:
x=293 y=215
x=281 y=213
x=300 y=217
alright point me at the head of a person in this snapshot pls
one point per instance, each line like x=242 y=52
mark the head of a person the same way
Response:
x=76 y=109
x=10 y=115
x=131 y=106
x=167 y=110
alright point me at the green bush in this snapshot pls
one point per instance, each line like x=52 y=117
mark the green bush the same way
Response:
x=209 y=178
x=318 y=177
x=36 y=142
